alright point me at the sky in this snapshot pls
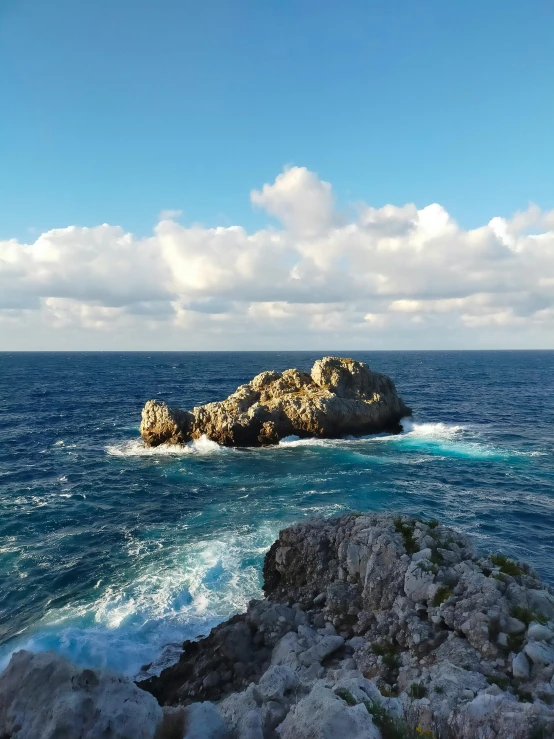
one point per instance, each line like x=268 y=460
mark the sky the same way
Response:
x=276 y=175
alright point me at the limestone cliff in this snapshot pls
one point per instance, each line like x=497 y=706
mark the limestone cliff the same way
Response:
x=379 y=626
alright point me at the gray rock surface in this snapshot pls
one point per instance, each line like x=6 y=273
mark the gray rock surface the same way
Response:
x=44 y=696
x=203 y=721
x=520 y=667
x=322 y=714
x=392 y=617
x=340 y=397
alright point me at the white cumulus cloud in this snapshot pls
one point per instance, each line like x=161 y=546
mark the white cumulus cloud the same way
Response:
x=386 y=277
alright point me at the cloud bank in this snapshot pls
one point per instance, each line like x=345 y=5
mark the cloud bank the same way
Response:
x=391 y=277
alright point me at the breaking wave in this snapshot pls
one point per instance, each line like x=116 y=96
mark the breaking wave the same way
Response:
x=179 y=596
x=137 y=448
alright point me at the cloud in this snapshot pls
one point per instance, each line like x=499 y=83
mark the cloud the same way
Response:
x=385 y=277
x=300 y=200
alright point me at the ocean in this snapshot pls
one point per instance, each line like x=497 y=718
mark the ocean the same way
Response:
x=112 y=554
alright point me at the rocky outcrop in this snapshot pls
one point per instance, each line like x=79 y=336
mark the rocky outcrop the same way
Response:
x=373 y=627
x=339 y=397
x=375 y=624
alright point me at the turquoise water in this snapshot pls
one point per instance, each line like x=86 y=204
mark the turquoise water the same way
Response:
x=112 y=553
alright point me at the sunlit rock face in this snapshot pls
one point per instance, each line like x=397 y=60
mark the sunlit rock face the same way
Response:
x=338 y=398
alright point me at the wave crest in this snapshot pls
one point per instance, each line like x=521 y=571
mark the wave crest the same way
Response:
x=436 y=430
x=137 y=448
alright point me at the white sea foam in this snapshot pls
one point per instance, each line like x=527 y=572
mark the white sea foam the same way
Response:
x=137 y=448
x=449 y=440
x=182 y=596
x=293 y=441
x=436 y=430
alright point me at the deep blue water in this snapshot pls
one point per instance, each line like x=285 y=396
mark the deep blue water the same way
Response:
x=110 y=552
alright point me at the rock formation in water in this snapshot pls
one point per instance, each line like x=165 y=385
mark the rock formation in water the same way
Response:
x=373 y=627
x=338 y=398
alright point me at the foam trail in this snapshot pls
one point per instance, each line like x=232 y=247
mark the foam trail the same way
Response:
x=448 y=440
x=436 y=430
x=137 y=448
x=294 y=441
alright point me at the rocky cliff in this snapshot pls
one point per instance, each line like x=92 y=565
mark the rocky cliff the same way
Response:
x=373 y=627
x=338 y=398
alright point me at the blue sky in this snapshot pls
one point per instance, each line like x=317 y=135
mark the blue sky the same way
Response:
x=254 y=174
x=116 y=109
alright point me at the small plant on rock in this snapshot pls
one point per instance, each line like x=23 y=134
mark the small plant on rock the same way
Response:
x=524 y=696
x=388 y=651
x=407 y=532
x=515 y=642
x=500 y=680
x=391 y=660
x=507 y=565
x=390 y=727
x=527 y=615
x=417 y=690
x=433 y=523
x=442 y=594
x=436 y=557
x=347 y=696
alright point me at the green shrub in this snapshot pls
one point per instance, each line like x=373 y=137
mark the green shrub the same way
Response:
x=524 y=696
x=417 y=690
x=442 y=594
x=515 y=642
x=439 y=689
x=507 y=565
x=494 y=629
x=407 y=532
x=389 y=653
x=433 y=523
x=527 y=615
x=391 y=660
x=390 y=727
x=436 y=557
x=347 y=696
x=500 y=680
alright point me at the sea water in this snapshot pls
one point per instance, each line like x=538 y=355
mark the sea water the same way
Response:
x=112 y=553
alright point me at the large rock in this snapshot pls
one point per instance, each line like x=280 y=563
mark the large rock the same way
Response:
x=44 y=696
x=164 y=425
x=324 y=715
x=340 y=397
